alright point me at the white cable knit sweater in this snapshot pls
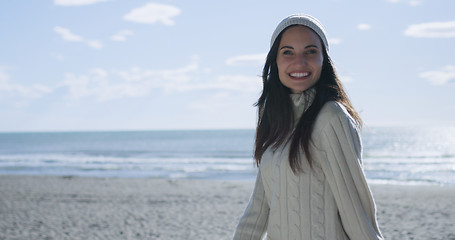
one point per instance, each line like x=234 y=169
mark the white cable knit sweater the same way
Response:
x=330 y=200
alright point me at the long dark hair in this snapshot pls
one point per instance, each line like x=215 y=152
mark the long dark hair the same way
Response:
x=276 y=116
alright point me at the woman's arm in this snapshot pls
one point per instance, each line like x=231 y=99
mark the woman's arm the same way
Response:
x=339 y=139
x=253 y=223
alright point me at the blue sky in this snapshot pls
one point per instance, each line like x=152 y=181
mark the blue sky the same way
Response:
x=74 y=65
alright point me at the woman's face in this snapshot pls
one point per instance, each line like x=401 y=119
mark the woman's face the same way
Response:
x=299 y=58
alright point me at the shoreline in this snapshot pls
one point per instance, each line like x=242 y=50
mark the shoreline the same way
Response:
x=73 y=207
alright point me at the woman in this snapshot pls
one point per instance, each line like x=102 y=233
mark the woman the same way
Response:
x=310 y=183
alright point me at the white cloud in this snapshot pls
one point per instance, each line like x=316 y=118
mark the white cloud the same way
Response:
x=415 y=3
x=67 y=35
x=121 y=35
x=163 y=78
x=431 y=30
x=410 y=2
x=251 y=59
x=213 y=102
x=4 y=76
x=96 y=83
x=334 y=41
x=440 y=77
x=31 y=91
x=152 y=13
x=103 y=86
x=94 y=44
x=106 y=85
x=363 y=26
x=238 y=83
x=76 y=2
x=346 y=79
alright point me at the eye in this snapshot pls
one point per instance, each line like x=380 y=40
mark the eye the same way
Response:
x=311 y=51
x=287 y=52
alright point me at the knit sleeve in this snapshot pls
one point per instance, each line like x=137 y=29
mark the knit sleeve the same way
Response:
x=340 y=157
x=253 y=223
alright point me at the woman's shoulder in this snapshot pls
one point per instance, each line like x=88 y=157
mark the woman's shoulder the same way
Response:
x=332 y=115
x=332 y=110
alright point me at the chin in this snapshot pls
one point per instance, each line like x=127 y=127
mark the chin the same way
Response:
x=298 y=90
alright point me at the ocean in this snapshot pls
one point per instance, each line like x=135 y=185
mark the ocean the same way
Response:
x=391 y=155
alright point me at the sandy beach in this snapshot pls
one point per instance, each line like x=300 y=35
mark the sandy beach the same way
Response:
x=46 y=207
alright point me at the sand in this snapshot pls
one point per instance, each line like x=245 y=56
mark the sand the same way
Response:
x=49 y=207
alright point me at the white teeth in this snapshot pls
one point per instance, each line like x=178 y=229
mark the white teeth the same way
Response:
x=299 y=75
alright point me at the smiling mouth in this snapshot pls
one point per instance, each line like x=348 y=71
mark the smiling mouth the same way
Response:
x=299 y=74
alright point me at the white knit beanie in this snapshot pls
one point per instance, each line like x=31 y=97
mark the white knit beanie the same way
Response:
x=301 y=19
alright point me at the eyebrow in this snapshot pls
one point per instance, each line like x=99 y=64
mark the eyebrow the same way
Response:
x=309 y=46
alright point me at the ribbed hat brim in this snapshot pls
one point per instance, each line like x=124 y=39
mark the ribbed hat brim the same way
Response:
x=301 y=19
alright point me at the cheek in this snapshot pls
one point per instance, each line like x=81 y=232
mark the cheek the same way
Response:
x=282 y=65
x=280 y=68
x=318 y=66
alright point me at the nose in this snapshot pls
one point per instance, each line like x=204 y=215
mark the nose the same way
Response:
x=301 y=60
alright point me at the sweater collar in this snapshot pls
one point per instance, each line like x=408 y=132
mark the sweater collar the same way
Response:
x=302 y=101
